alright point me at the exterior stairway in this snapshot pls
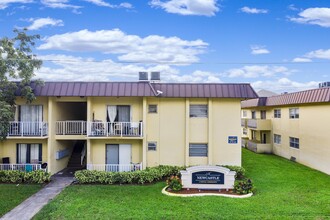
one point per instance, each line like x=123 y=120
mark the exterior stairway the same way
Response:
x=74 y=163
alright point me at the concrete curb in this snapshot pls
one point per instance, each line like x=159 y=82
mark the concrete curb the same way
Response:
x=205 y=194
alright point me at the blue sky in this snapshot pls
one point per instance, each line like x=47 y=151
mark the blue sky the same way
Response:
x=274 y=45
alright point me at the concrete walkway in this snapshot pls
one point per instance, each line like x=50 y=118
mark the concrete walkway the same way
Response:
x=31 y=206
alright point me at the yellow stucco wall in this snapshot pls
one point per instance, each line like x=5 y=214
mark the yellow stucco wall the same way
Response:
x=9 y=148
x=98 y=107
x=98 y=150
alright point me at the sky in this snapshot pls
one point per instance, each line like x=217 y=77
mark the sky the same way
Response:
x=282 y=46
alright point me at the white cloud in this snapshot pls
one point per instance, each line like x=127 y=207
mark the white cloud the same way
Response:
x=301 y=60
x=292 y=7
x=42 y=22
x=284 y=85
x=319 y=54
x=258 y=49
x=5 y=3
x=317 y=16
x=106 y=4
x=256 y=71
x=254 y=10
x=62 y=4
x=59 y=67
x=187 y=7
x=132 y=48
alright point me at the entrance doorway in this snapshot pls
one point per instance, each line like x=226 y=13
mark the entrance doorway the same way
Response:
x=118 y=157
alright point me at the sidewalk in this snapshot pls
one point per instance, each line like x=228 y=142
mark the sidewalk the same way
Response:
x=31 y=206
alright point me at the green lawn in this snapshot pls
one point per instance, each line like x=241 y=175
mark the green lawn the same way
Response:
x=12 y=195
x=285 y=190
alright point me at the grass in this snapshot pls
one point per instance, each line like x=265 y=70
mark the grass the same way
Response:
x=12 y=195
x=285 y=190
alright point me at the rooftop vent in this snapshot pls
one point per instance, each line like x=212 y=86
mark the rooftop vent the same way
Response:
x=324 y=84
x=155 y=76
x=143 y=76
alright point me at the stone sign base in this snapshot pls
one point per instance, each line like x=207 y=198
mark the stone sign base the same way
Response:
x=208 y=177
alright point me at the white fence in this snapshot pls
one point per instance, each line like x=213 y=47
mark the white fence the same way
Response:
x=71 y=128
x=121 y=129
x=115 y=167
x=18 y=128
x=21 y=167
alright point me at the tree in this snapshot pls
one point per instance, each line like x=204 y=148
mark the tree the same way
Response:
x=17 y=66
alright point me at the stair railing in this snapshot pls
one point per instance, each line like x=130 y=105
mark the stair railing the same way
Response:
x=83 y=154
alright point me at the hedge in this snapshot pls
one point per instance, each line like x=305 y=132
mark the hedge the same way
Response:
x=149 y=175
x=17 y=176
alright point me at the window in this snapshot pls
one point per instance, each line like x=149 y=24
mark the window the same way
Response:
x=263 y=114
x=253 y=114
x=29 y=153
x=294 y=142
x=294 y=112
x=198 y=111
x=245 y=131
x=152 y=146
x=244 y=114
x=277 y=113
x=198 y=150
x=277 y=139
x=152 y=108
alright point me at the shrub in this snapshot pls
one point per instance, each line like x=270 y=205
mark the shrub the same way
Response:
x=244 y=186
x=240 y=171
x=174 y=183
x=149 y=175
x=16 y=176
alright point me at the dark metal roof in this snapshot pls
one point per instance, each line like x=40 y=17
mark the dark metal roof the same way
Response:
x=146 y=89
x=304 y=97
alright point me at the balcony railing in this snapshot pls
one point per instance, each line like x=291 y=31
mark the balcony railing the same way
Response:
x=24 y=129
x=21 y=167
x=243 y=122
x=117 y=129
x=71 y=128
x=259 y=124
x=115 y=167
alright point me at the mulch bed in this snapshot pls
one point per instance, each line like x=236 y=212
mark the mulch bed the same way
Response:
x=199 y=191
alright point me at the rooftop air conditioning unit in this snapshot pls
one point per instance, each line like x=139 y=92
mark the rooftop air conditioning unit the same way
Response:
x=155 y=76
x=324 y=85
x=143 y=76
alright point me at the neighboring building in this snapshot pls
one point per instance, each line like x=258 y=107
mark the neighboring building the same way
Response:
x=121 y=126
x=266 y=93
x=293 y=125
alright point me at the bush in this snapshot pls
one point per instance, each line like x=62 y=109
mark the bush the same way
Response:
x=240 y=171
x=244 y=186
x=16 y=176
x=174 y=183
x=149 y=175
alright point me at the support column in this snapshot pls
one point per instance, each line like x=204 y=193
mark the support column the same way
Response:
x=144 y=128
x=51 y=136
x=210 y=132
x=187 y=132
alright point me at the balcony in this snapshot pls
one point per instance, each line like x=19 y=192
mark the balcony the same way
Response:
x=244 y=142
x=28 y=129
x=259 y=147
x=115 y=167
x=243 y=122
x=21 y=167
x=71 y=128
x=115 y=129
x=259 y=124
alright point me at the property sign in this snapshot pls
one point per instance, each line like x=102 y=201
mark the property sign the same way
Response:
x=232 y=140
x=207 y=177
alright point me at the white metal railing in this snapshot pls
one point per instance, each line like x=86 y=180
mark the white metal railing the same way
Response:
x=19 y=128
x=252 y=123
x=121 y=129
x=71 y=127
x=115 y=167
x=21 y=167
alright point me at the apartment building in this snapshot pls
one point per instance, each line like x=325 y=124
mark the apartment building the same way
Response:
x=294 y=126
x=124 y=126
